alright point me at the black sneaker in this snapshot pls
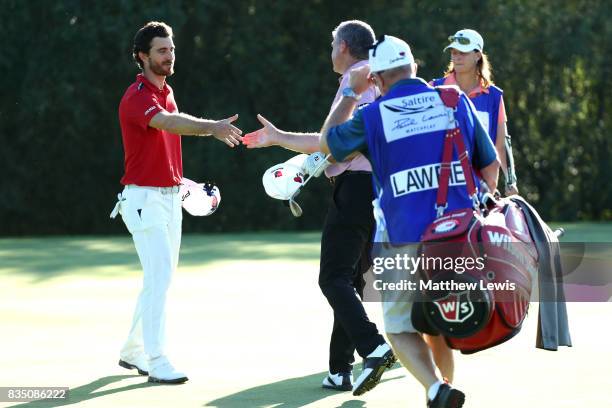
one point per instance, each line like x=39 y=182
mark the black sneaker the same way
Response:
x=338 y=382
x=447 y=397
x=133 y=365
x=375 y=365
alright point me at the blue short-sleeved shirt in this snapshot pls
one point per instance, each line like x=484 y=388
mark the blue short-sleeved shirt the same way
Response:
x=402 y=134
x=350 y=136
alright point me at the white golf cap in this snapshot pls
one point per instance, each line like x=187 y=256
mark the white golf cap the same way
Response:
x=466 y=40
x=199 y=199
x=389 y=52
x=282 y=180
x=298 y=160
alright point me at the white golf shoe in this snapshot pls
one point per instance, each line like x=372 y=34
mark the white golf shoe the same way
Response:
x=161 y=371
x=375 y=364
x=138 y=362
x=338 y=382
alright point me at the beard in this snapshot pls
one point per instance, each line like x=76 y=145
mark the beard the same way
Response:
x=162 y=69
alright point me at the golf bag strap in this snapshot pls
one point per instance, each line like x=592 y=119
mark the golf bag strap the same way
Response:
x=445 y=169
x=464 y=159
x=450 y=98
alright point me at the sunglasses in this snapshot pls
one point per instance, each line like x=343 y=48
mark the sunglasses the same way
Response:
x=460 y=40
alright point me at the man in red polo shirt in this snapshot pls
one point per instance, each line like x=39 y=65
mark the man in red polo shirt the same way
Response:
x=150 y=204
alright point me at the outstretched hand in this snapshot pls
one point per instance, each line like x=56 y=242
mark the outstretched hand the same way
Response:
x=228 y=133
x=264 y=137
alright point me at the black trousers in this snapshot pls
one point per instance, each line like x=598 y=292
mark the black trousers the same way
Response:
x=345 y=247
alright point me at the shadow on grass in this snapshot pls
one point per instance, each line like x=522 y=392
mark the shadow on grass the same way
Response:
x=87 y=392
x=43 y=258
x=290 y=393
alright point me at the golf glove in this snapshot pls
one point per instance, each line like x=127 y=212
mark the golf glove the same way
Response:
x=315 y=164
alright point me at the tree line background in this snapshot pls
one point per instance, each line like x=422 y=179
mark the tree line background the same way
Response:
x=66 y=64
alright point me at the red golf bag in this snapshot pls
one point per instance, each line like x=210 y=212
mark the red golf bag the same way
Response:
x=482 y=303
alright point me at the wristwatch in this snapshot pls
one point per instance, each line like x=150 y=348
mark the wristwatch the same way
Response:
x=349 y=93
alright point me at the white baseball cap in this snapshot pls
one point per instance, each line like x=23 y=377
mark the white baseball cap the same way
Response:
x=282 y=180
x=298 y=160
x=199 y=199
x=389 y=52
x=466 y=40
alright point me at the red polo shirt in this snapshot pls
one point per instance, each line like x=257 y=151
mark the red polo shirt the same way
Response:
x=152 y=156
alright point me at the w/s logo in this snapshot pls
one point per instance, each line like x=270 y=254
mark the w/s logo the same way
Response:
x=456 y=307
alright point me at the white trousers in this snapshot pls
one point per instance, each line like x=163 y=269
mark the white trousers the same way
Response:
x=153 y=217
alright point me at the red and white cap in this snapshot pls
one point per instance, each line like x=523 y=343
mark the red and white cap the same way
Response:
x=283 y=180
x=199 y=199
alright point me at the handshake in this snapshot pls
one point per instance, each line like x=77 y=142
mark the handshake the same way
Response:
x=284 y=181
x=269 y=135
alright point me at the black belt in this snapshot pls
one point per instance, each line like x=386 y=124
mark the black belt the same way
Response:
x=334 y=179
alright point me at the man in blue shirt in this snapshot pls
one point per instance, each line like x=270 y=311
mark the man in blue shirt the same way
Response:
x=402 y=134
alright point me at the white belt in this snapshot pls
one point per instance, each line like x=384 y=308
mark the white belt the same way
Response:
x=163 y=190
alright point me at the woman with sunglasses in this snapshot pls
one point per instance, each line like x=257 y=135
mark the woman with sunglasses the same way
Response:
x=469 y=68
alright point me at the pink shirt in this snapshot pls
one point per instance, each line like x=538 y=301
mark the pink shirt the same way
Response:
x=359 y=162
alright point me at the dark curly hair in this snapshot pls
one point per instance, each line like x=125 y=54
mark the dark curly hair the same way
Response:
x=144 y=36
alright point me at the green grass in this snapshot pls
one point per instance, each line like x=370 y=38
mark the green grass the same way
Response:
x=247 y=322
x=585 y=232
x=44 y=258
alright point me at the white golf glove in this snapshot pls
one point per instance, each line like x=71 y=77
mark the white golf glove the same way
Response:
x=315 y=164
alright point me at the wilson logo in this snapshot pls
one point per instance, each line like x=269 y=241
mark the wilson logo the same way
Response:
x=456 y=307
x=498 y=238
